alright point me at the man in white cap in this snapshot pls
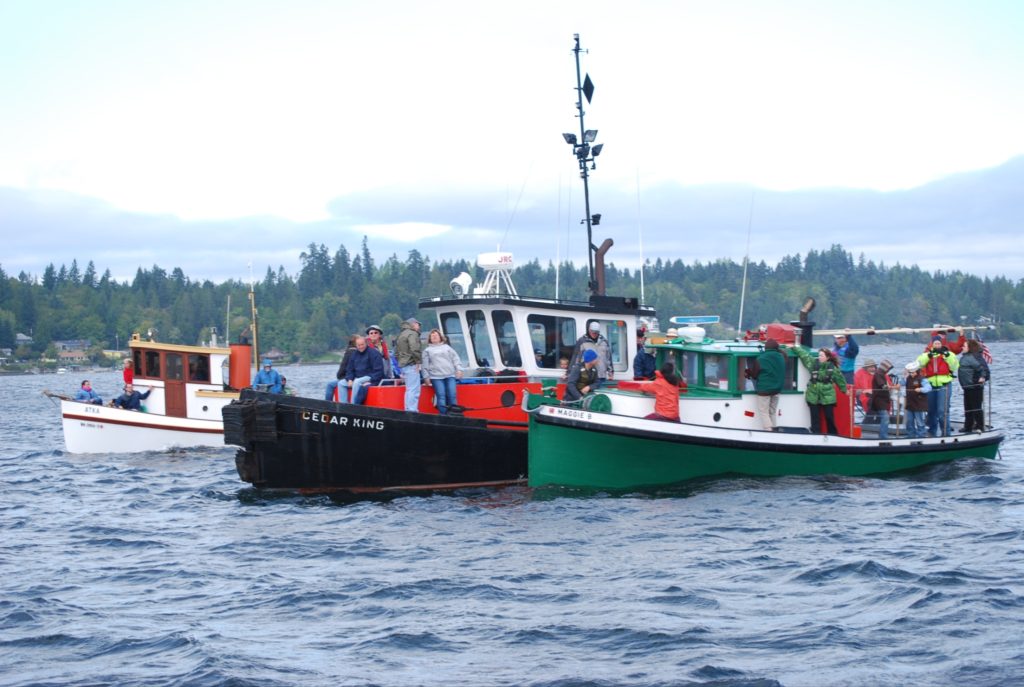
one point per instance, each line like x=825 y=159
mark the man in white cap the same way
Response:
x=408 y=349
x=917 y=400
x=594 y=340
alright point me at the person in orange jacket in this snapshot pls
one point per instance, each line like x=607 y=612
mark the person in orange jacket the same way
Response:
x=665 y=389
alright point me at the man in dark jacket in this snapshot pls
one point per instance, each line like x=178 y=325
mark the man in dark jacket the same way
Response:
x=768 y=372
x=131 y=399
x=881 y=398
x=365 y=368
x=644 y=364
x=583 y=378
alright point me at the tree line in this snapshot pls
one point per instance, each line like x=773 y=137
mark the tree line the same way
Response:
x=340 y=293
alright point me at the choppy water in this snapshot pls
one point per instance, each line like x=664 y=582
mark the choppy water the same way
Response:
x=164 y=568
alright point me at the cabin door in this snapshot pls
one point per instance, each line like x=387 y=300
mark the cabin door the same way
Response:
x=174 y=386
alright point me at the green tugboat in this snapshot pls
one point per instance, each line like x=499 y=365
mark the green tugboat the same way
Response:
x=606 y=442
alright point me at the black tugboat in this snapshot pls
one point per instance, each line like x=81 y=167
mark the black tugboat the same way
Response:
x=511 y=344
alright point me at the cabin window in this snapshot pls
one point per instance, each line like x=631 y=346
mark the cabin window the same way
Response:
x=451 y=326
x=152 y=367
x=686 y=366
x=716 y=371
x=505 y=334
x=175 y=369
x=479 y=337
x=137 y=363
x=198 y=368
x=552 y=338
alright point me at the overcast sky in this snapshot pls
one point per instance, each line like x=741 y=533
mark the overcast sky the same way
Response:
x=208 y=135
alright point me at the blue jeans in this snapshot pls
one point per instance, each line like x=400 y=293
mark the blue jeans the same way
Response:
x=937 y=410
x=915 y=424
x=343 y=386
x=444 y=393
x=329 y=391
x=411 y=376
x=883 y=424
x=360 y=386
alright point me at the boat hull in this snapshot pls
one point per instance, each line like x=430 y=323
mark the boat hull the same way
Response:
x=582 y=449
x=102 y=429
x=319 y=446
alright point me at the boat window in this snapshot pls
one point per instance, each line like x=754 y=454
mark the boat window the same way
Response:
x=175 y=370
x=137 y=363
x=505 y=333
x=789 y=382
x=479 y=337
x=552 y=338
x=152 y=367
x=716 y=371
x=567 y=340
x=198 y=367
x=686 y=366
x=451 y=327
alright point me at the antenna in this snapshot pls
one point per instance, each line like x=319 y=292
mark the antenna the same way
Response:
x=746 y=259
x=585 y=151
x=640 y=234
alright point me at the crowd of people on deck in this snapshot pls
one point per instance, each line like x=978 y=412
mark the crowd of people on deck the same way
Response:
x=924 y=391
x=926 y=387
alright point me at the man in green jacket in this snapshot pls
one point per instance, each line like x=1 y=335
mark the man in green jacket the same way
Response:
x=768 y=372
x=408 y=350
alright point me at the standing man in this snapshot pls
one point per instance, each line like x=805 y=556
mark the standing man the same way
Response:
x=940 y=366
x=846 y=349
x=594 y=340
x=644 y=364
x=409 y=349
x=768 y=372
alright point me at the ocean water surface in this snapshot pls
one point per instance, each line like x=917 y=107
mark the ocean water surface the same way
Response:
x=165 y=569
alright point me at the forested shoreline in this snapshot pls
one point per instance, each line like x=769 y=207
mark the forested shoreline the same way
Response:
x=335 y=294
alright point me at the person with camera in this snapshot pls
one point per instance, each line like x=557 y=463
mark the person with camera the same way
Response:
x=940 y=366
x=820 y=393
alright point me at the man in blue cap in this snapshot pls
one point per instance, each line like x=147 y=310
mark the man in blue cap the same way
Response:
x=583 y=377
x=267 y=379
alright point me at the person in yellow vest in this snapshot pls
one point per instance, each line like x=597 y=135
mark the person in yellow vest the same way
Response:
x=939 y=365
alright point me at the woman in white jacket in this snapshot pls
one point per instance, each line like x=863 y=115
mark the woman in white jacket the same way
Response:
x=441 y=368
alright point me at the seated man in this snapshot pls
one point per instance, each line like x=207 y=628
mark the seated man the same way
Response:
x=365 y=368
x=583 y=377
x=131 y=399
x=267 y=379
x=87 y=395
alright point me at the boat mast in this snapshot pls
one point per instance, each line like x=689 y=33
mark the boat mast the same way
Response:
x=585 y=154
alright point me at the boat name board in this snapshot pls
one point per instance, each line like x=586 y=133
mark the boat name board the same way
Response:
x=568 y=412
x=342 y=420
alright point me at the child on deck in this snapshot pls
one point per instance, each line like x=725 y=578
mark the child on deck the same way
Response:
x=665 y=389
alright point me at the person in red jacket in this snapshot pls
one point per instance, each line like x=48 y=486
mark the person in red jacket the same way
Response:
x=665 y=389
